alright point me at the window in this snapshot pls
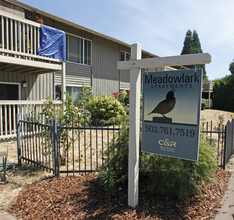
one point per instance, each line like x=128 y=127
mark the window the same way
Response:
x=58 y=92
x=78 y=50
x=125 y=56
x=73 y=91
x=9 y=91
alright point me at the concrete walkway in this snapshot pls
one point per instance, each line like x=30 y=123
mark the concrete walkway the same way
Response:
x=226 y=212
x=6 y=216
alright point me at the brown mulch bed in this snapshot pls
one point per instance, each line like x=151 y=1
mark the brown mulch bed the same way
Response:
x=81 y=197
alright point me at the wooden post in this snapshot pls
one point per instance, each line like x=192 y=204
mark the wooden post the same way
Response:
x=134 y=123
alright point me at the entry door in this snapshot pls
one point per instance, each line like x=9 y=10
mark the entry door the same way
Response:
x=9 y=91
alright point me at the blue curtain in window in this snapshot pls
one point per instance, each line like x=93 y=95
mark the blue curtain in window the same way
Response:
x=52 y=43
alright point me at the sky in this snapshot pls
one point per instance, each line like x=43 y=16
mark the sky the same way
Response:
x=159 y=26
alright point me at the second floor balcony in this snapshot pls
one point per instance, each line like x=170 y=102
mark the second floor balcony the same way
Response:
x=19 y=43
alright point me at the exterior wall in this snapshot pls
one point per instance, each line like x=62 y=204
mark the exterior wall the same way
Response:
x=102 y=74
x=39 y=86
x=105 y=76
x=124 y=79
x=12 y=9
x=76 y=74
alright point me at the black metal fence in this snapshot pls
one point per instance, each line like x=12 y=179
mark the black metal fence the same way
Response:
x=79 y=146
x=222 y=138
x=62 y=146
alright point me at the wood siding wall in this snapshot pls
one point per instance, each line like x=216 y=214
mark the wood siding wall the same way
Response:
x=76 y=75
x=125 y=79
x=105 y=76
x=12 y=9
x=102 y=75
x=39 y=86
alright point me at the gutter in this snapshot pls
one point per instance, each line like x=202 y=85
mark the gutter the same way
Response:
x=30 y=8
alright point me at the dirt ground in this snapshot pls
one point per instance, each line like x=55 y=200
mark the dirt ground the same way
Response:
x=19 y=179
x=216 y=116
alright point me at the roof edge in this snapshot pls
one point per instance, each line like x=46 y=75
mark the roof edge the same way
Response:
x=33 y=9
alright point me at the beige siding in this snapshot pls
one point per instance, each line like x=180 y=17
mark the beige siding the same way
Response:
x=76 y=74
x=39 y=86
x=105 y=76
x=12 y=9
x=125 y=79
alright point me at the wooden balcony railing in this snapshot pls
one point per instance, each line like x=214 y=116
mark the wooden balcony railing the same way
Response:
x=20 y=38
x=9 y=110
x=19 y=35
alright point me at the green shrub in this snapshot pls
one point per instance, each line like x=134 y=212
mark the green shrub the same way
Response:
x=85 y=96
x=69 y=116
x=166 y=176
x=118 y=152
x=124 y=98
x=204 y=104
x=180 y=177
x=105 y=108
x=108 y=181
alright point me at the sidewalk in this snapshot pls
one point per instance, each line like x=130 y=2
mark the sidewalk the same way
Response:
x=6 y=216
x=226 y=212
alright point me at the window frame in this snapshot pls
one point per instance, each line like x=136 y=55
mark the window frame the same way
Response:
x=125 y=55
x=83 y=49
x=69 y=85
x=14 y=83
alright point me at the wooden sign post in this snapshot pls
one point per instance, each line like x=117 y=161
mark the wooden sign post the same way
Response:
x=135 y=65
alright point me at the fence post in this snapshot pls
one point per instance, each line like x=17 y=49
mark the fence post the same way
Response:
x=225 y=148
x=55 y=143
x=232 y=136
x=18 y=130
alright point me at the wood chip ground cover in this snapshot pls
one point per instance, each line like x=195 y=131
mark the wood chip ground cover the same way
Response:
x=81 y=197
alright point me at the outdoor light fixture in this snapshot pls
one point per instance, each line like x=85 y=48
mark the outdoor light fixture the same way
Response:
x=24 y=84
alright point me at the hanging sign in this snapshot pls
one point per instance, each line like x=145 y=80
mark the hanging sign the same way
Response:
x=171 y=113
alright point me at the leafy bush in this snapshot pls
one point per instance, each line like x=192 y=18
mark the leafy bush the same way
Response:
x=204 y=104
x=165 y=176
x=105 y=108
x=124 y=98
x=108 y=181
x=85 y=96
x=180 y=177
x=68 y=116
x=118 y=152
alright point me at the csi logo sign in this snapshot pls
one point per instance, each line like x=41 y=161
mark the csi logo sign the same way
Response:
x=167 y=143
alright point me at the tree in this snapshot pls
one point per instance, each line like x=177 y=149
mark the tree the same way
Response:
x=224 y=91
x=231 y=68
x=188 y=43
x=192 y=45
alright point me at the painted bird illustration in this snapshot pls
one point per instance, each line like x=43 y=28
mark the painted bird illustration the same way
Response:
x=166 y=105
